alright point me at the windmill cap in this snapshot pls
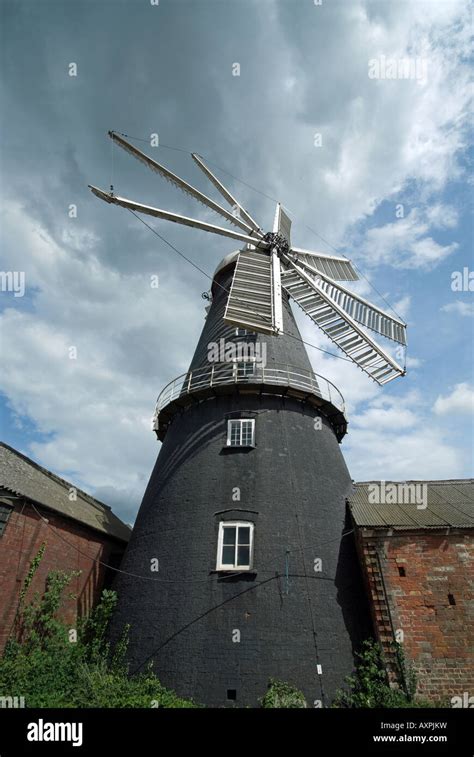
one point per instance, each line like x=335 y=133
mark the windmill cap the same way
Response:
x=229 y=259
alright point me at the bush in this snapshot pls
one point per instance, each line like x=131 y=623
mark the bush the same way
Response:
x=49 y=669
x=369 y=685
x=282 y=695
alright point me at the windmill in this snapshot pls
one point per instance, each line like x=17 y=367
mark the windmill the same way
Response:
x=245 y=510
x=270 y=263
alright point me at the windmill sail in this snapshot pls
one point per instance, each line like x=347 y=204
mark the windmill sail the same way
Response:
x=225 y=193
x=180 y=183
x=254 y=301
x=269 y=263
x=174 y=217
x=282 y=223
x=343 y=330
x=336 y=267
x=362 y=311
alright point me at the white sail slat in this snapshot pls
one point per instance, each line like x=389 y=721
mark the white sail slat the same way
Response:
x=251 y=303
x=226 y=194
x=166 y=215
x=337 y=268
x=359 y=309
x=180 y=183
x=327 y=313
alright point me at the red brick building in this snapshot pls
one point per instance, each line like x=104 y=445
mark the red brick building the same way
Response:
x=39 y=508
x=417 y=560
x=418 y=564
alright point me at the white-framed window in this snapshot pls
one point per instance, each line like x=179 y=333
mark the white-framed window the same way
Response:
x=241 y=432
x=244 y=369
x=244 y=332
x=235 y=545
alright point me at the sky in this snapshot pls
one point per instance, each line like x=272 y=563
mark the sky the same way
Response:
x=317 y=114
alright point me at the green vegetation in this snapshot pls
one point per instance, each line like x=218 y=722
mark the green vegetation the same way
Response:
x=51 y=665
x=369 y=685
x=282 y=695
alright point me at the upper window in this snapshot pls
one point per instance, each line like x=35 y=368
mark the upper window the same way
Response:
x=244 y=369
x=235 y=546
x=241 y=432
x=244 y=332
x=5 y=512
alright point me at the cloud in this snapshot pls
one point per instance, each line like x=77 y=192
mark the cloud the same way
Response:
x=387 y=418
x=395 y=438
x=465 y=309
x=414 y=362
x=402 y=455
x=88 y=279
x=461 y=400
x=95 y=409
x=406 y=243
x=442 y=216
x=402 y=306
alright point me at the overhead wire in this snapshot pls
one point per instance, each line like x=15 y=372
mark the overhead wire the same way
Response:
x=106 y=565
x=273 y=199
x=202 y=271
x=164 y=580
x=274 y=575
x=225 y=289
x=269 y=197
x=140 y=139
x=313 y=231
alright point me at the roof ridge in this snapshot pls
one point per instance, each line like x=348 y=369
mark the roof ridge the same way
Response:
x=62 y=481
x=433 y=482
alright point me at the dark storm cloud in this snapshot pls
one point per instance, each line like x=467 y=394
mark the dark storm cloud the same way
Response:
x=168 y=69
x=140 y=69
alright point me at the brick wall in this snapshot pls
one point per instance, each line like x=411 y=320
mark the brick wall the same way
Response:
x=20 y=542
x=432 y=603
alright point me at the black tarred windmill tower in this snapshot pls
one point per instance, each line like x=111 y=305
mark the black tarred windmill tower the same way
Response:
x=246 y=507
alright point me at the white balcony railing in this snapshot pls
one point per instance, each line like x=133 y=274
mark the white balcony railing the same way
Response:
x=218 y=374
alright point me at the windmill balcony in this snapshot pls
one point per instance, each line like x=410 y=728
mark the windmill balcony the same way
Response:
x=247 y=378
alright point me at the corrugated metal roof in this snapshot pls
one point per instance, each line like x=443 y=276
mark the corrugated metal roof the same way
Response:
x=24 y=477
x=449 y=504
x=464 y=487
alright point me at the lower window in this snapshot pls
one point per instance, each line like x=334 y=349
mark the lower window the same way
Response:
x=241 y=432
x=235 y=545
